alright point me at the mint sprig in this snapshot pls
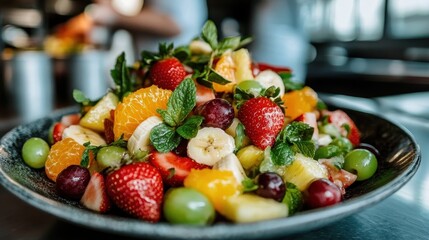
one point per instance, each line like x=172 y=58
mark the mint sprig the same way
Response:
x=176 y=124
x=121 y=77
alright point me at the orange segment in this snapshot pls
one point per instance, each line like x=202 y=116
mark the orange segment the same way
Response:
x=63 y=154
x=217 y=185
x=226 y=68
x=137 y=107
x=299 y=101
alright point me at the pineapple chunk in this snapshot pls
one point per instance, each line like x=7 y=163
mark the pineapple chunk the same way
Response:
x=94 y=118
x=303 y=171
x=250 y=156
x=247 y=208
x=243 y=63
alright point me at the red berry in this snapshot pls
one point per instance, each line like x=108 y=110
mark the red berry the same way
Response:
x=167 y=73
x=57 y=132
x=95 y=196
x=262 y=120
x=322 y=193
x=137 y=189
x=72 y=181
x=340 y=119
x=173 y=168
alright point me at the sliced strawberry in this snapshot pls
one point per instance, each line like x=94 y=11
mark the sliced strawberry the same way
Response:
x=95 y=196
x=173 y=168
x=259 y=67
x=138 y=190
x=262 y=120
x=56 y=133
x=70 y=119
x=204 y=94
x=346 y=125
x=340 y=177
x=167 y=73
x=311 y=119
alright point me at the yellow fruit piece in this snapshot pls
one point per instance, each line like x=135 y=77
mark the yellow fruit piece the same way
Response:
x=217 y=185
x=250 y=156
x=300 y=101
x=137 y=107
x=225 y=67
x=94 y=118
x=304 y=171
x=247 y=208
x=243 y=65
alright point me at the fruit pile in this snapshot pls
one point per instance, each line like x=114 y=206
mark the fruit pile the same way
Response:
x=201 y=132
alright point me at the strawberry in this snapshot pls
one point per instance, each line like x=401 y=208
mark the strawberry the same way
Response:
x=137 y=189
x=167 y=73
x=311 y=119
x=262 y=120
x=108 y=130
x=173 y=168
x=346 y=125
x=70 y=119
x=56 y=132
x=204 y=94
x=95 y=196
x=339 y=177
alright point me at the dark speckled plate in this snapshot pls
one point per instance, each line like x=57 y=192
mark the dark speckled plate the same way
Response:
x=400 y=158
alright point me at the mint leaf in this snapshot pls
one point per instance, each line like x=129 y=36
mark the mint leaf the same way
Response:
x=229 y=43
x=182 y=53
x=217 y=78
x=121 y=76
x=298 y=131
x=189 y=129
x=164 y=138
x=282 y=154
x=180 y=104
x=209 y=34
x=249 y=185
x=80 y=97
x=289 y=84
x=293 y=198
x=239 y=136
x=307 y=148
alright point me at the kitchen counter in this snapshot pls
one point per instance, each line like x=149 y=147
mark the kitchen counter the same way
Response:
x=404 y=215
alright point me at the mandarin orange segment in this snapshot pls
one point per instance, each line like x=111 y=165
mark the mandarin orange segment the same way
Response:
x=299 y=101
x=226 y=68
x=216 y=185
x=63 y=154
x=137 y=107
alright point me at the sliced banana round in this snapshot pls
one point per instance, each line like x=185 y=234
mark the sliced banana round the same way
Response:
x=210 y=145
x=268 y=78
x=140 y=139
x=83 y=135
x=231 y=163
x=200 y=47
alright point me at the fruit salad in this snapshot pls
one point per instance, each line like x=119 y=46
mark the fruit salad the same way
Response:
x=202 y=133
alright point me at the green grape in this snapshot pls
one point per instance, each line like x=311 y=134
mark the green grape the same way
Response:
x=362 y=163
x=327 y=152
x=110 y=156
x=188 y=206
x=35 y=152
x=250 y=86
x=343 y=143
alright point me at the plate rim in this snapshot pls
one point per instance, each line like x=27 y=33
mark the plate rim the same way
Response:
x=275 y=227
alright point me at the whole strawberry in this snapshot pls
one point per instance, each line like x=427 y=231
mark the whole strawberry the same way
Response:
x=167 y=73
x=137 y=189
x=262 y=120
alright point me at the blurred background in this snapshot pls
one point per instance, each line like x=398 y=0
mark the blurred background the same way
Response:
x=362 y=48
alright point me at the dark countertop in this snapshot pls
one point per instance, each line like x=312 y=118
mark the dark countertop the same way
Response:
x=404 y=215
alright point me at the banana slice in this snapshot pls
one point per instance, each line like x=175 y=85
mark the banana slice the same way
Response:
x=83 y=135
x=303 y=171
x=140 y=139
x=268 y=78
x=210 y=145
x=231 y=163
x=200 y=47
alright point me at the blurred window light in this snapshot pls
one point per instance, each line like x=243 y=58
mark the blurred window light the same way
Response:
x=371 y=19
x=343 y=19
x=15 y=36
x=409 y=18
x=128 y=7
x=63 y=7
x=30 y=18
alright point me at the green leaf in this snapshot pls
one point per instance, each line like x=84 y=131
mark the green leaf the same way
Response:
x=244 y=42
x=229 y=43
x=180 y=104
x=282 y=154
x=217 y=78
x=293 y=199
x=121 y=76
x=80 y=97
x=182 y=53
x=190 y=128
x=249 y=185
x=240 y=135
x=209 y=34
x=307 y=148
x=298 y=131
x=164 y=138
x=289 y=84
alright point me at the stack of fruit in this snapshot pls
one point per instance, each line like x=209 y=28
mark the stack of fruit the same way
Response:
x=195 y=133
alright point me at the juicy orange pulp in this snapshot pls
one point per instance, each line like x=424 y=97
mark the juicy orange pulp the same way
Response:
x=300 y=101
x=137 y=107
x=226 y=68
x=217 y=185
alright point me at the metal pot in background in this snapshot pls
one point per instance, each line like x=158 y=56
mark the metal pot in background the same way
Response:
x=32 y=85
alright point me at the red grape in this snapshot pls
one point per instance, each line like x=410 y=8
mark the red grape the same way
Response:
x=72 y=181
x=322 y=193
x=271 y=185
x=217 y=112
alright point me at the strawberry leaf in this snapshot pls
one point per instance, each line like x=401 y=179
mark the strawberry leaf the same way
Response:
x=289 y=84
